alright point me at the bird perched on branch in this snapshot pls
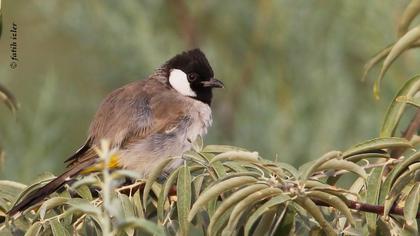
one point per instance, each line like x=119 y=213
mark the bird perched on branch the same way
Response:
x=147 y=121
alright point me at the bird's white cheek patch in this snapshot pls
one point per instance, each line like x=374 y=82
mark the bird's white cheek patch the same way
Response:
x=178 y=80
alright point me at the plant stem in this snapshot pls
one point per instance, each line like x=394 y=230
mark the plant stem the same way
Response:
x=106 y=188
x=377 y=209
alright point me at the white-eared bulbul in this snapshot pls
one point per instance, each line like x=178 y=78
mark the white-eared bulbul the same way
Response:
x=146 y=121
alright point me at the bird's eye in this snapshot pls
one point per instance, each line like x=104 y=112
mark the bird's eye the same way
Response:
x=192 y=77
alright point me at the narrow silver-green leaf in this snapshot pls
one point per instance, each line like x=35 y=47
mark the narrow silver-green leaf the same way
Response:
x=402 y=181
x=379 y=56
x=396 y=171
x=265 y=223
x=84 y=206
x=343 y=165
x=183 y=188
x=399 y=47
x=127 y=206
x=221 y=148
x=412 y=205
x=377 y=144
x=137 y=204
x=307 y=204
x=410 y=12
x=231 y=200
x=164 y=194
x=51 y=203
x=143 y=225
x=247 y=203
x=84 y=192
x=374 y=183
x=275 y=201
x=335 y=202
x=57 y=228
x=315 y=165
x=10 y=189
x=34 y=229
x=153 y=175
x=396 y=109
x=236 y=156
x=217 y=189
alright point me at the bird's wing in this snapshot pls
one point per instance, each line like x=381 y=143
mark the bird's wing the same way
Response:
x=131 y=113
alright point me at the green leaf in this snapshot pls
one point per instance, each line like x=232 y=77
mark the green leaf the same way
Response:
x=396 y=109
x=377 y=144
x=316 y=164
x=406 y=179
x=364 y=156
x=221 y=148
x=184 y=199
x=287 y=223
x=217 y=166
x=307 y=204
x=51 y=203
x=88 y=180
x=220 y=223
x=247 y=203
x=236 y=156
x=333 y=201
x=57 y=228
x=137 y=204
x=143 y=225
x=343 y=165
x=90 y=227
x=411 y=207
x=231 y=201
x=164 y=194
x=395 y=172
x=215 y=190
x=10 y=189
x=404 y=43
x=127 y=207
x=125 y=173
x=34 y=229
x=289 y=168
x=265 y=223
x=84 y=192
x=410 y=12
x=83 y=206
x=153 y=175
x=374 y=183
x=379 y=56
x=275 y=201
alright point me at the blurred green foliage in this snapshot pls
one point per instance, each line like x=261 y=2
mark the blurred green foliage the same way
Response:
x=292 y=71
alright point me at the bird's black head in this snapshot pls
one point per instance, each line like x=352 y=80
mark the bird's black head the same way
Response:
x=191 y=75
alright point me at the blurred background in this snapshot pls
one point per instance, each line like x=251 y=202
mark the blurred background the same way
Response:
x=292 y=71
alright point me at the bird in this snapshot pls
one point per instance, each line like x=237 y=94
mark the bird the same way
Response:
x=146 y=121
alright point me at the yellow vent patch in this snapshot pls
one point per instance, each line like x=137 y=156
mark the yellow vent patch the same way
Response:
x=113 y=164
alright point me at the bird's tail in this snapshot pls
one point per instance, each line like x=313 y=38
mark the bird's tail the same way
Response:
x=40 y=194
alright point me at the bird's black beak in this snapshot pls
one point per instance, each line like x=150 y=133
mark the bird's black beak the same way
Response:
x=213 y=83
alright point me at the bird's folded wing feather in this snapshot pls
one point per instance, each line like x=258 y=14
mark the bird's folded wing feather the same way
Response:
x=130 y=114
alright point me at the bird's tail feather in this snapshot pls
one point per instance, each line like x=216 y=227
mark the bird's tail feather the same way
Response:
x=40 y=194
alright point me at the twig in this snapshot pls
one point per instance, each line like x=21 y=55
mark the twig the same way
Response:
x=365 y=207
